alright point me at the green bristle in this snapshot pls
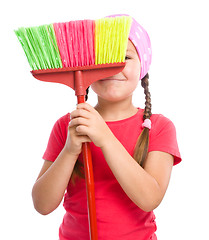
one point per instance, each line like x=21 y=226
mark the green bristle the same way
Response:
x=111 y=38
x=40 y=46
x=27 y=47
x=53 y=47
x=33 y=37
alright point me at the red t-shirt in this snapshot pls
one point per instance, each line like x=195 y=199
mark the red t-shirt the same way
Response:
x=117 y=216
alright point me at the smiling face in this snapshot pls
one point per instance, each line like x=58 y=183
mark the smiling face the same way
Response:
x=123 y=84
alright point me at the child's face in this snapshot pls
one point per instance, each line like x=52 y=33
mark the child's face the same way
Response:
x=123 y=84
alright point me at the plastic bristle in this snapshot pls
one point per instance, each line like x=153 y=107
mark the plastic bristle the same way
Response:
x=76 y=42
x=27 y=47
x=111 y=38
x=40 y=46
x=36 y=38
x=60 y=32
x=54 y=51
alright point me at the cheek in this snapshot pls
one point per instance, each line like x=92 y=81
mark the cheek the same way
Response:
x=95 y=87
x=133 y=76
x=132 y=70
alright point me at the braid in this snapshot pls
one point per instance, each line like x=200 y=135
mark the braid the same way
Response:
x=148 y=105
x=141 y=148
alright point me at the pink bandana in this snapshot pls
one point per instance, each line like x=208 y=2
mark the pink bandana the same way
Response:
x=141 y=41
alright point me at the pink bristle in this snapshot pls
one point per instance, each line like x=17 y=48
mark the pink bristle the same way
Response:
x=80 y=32
x=75 y=40
x=85 y=47
x=88 y=42
x=91 y=43
x=63 y=26
x=60 y=31
x=70 y=43
x=76 y=43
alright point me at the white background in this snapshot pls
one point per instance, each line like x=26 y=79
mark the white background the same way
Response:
x=179 y=87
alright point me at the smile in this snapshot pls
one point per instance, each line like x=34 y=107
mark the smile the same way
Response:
x=113 y=79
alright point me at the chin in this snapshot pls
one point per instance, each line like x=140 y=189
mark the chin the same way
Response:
x=113 y=98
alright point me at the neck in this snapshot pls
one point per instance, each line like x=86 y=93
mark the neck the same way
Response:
x=114 y=111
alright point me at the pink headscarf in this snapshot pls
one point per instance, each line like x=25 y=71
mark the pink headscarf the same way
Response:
x=141 y=41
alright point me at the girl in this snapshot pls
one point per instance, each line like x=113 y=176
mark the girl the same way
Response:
x=133 y=153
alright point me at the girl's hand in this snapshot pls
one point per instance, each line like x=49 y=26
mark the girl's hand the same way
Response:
x=86 y=121
x=74 y=140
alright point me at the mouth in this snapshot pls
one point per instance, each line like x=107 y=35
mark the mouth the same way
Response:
x=113 y=79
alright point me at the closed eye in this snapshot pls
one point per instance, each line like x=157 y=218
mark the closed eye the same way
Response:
x=127 y=57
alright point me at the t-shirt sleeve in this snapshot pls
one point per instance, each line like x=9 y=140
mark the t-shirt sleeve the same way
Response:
x=57 y=139
x=163 y=138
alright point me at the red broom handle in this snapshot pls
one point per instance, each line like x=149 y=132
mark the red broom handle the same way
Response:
x=88 y=169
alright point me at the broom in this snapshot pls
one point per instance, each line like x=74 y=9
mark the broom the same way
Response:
x=78 y=53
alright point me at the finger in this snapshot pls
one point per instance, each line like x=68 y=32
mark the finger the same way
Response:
x=85 y=139
x=87 y=107
x=81 y=137
x=79 y=113
x=82 y=130
x=78 y=121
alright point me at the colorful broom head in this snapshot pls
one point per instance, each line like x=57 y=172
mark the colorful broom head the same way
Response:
x=76 y=43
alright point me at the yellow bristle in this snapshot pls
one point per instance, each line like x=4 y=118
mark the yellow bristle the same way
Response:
x=111 y=38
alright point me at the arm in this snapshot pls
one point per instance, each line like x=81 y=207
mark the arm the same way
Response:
x=52 y=182
x=49 y=189
x=145 y=187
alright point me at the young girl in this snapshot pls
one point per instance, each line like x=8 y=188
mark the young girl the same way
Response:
x=133 y=154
